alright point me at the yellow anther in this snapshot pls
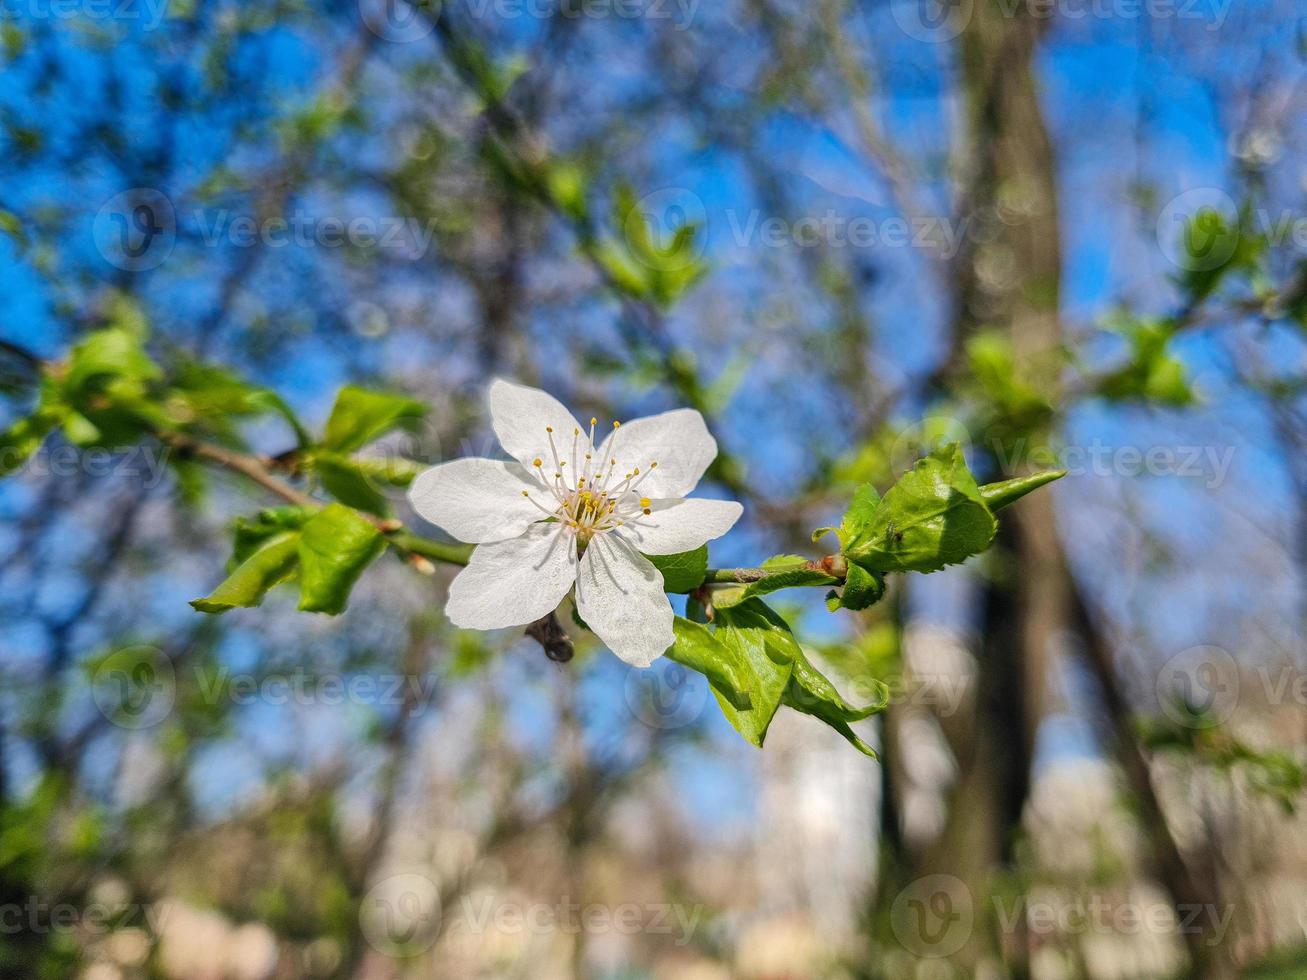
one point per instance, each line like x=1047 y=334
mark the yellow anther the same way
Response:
x=652 y=466
x=647 y=512
x=616 y=424
x=536 y=462
x=644 y=502
x=549 y=428
x=637 y=471
x=593 y=420
x=525 y=494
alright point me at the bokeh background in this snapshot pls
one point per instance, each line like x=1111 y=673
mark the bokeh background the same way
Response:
x=1062 y=232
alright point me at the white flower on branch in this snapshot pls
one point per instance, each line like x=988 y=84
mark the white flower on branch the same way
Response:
x=573 y=511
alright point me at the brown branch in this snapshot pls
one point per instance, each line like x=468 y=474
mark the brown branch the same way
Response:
x=248 y=466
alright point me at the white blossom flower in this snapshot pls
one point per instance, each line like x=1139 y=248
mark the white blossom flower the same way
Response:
x=571 y=511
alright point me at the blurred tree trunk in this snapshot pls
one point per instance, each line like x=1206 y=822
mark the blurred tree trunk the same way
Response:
x=1006 y=276
x=1009 y=277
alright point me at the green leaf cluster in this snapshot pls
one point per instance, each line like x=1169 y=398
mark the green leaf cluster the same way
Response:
x=1214 y=247
x=110 y=392
x=932 y=517
x=640 y=266
x=1151 y=373
x=325 y=550
x=935 y=515
x=1011 y=407
x=754 y=665
x=358 y=418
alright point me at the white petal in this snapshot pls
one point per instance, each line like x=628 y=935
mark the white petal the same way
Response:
x=620 y=596
x=677 y=441
x=521 y=415
x=680 y=525
x=513 y=583
x=478 y=500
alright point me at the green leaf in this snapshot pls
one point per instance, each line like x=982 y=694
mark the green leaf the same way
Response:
x=115 y=352
x=1000 y=495
x=335 y=546
x=861 y=589
x=683 y=572
x=250 y=535
x=565 y=182
x=392 y=471
x=785 y=572
x=349 y=484
x=762 y=649
x=361 y=416
x=1215 y=246
x=11 y=225
x=1152 y=374
x=213 y=395
x=270 y=564
x=80 y=430
x=24 y=437
x=993 y=365
x=932 y=517
x=812 y=693
x=696 y=648
x=861 y=508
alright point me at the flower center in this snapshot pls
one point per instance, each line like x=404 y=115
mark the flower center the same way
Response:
x=590 y=498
